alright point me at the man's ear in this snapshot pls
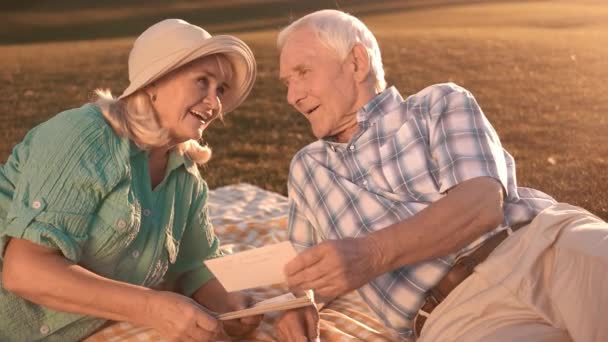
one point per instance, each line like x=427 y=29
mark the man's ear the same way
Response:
x=360 y=60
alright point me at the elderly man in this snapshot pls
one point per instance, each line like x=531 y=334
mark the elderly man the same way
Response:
x=414 y=203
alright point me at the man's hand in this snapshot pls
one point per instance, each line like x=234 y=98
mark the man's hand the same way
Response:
x=298 y=325
x=335 y=267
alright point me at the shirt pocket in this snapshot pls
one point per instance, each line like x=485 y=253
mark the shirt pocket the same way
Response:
x=115 y=226
x=407 y=165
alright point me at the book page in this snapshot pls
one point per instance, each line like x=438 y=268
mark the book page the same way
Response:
x=280 y=303
x=253 y=268
x=278 y=299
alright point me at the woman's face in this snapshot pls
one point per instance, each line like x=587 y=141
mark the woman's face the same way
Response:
x=189 y=99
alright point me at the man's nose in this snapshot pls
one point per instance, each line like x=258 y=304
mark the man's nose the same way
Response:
x=294 y=94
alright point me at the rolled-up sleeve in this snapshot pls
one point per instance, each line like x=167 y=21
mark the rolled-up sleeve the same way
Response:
x=463 y=143
x=69 y=169
x=198 y=244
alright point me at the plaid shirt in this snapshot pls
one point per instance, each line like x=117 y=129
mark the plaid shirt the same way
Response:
x=405 y=156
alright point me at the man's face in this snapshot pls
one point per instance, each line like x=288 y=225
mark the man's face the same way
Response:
x=319 y=85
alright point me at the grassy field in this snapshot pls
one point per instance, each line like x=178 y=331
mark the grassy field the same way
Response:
x=538 y=69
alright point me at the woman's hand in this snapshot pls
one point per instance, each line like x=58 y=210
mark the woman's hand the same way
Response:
x=241 y=326
x=213 y=295
x=298 y=325
x=77 y=290
x=179 y=318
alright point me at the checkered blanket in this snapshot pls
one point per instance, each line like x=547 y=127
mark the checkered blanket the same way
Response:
x=245 y=217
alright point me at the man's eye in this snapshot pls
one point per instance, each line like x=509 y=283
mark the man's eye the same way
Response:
x=220 y=90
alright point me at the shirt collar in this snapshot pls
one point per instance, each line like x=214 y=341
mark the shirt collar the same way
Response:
x=134 y=149
x=176 y=159
x=379 y=105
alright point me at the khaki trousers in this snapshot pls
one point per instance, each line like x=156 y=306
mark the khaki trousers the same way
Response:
x=546 y=282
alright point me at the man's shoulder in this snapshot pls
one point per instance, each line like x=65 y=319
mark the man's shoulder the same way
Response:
x=436 y=91
x=313 y=151
x=315 y=148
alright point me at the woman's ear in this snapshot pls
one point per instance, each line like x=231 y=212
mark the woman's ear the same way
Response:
x=151 y=91
x=361 y=63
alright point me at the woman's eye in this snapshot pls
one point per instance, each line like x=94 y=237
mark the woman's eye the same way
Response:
x=204 y=81
x=221 y=90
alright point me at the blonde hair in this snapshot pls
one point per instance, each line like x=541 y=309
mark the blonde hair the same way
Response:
x=135 y=118
x=340 y=32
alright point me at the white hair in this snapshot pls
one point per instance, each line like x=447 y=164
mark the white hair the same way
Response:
x=135 y=118
x=340 y=31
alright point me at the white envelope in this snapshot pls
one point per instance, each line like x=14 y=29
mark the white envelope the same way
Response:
x=253 y=268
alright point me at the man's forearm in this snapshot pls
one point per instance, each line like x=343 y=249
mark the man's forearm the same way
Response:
x=464 y=214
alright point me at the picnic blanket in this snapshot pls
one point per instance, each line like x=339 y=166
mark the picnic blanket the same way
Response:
x=244 y=217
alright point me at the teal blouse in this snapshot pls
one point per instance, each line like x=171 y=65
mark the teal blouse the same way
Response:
x=75 y=186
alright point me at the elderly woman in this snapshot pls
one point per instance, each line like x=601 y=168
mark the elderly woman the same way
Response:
x=103 y=205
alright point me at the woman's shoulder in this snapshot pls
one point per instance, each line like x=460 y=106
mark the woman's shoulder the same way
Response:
x=78 y=129
x=79 y=134
x=76 y=121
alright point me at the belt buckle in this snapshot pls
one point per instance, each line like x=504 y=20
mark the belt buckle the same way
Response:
x=418 y=324
x=430 y=303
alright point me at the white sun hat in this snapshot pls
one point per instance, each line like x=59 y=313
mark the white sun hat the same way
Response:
x=172 y=43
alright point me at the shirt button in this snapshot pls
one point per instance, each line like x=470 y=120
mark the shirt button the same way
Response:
x=365 y=182
x=352 y=147
x=135 y=254
x=147 y=212
x=36 y=204
x=121 y=224
x=45 y=329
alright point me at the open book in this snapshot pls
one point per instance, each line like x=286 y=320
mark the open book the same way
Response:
x=255 y=268
x=283 y=302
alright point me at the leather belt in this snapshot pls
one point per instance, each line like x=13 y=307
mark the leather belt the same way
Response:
x=463 y=268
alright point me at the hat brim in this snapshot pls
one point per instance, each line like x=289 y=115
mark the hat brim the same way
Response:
x=241 y=58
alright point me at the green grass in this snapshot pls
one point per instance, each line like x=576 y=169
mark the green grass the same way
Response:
x=538 y=69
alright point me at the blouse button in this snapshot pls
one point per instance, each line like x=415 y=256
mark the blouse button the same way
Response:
x=36 y=204
x=147 y=212
x=364 y=183
x=352 y=147
x=135 y=254
x=45 y=329
x=121 y=224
